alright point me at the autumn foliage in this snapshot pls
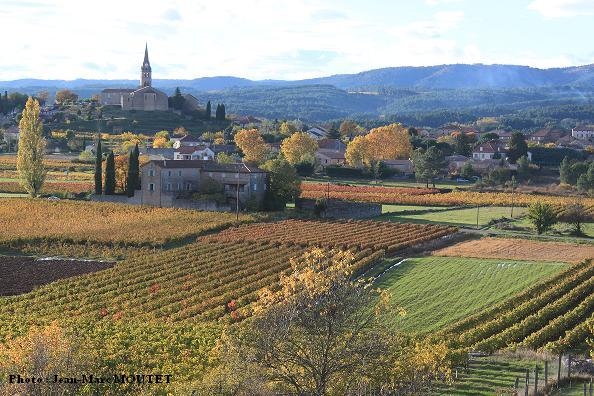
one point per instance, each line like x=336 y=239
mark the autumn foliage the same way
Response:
x=384 y=143
x=252 y=145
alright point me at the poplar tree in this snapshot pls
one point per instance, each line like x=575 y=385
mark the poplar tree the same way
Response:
x=98 y=170
x=110 y=177
x=31 y=149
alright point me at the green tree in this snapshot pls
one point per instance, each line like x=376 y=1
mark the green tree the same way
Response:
x=565 y=171
x=110 y=175
x=517 y=147
x=133 y=177
x=467 y=171
x=462 y=145
x=177 y=100
x=523 y=168
x=428 y=163
x=208 y=112
x=31 y=149
x=98 y=167
x=283 y=184
x=66 y=95
x=542 y=216
x=224 y=158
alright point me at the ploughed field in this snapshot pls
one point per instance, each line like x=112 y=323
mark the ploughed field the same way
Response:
x=21 y=274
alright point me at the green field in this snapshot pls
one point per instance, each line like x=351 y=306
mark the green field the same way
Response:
x=436 y=291
x=460 y=217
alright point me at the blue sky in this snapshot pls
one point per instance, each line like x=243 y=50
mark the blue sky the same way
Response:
x=277 y=39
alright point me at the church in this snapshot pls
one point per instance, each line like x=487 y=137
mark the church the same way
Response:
x=144 y=98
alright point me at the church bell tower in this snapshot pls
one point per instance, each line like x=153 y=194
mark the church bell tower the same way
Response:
x=145 y=70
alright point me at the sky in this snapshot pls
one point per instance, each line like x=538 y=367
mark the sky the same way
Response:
x=278 y=39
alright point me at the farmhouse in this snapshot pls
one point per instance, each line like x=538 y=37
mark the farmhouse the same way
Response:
x=164 y=181
x=317 y=133
x=193 y=153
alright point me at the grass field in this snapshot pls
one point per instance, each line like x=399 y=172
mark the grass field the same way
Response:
x=459 y=217
x=436 y=291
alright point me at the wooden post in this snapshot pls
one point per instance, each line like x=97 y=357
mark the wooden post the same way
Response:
x=585 y=389
x=591 y=387
x=569 y=369
x=559 y=371
x=536 y=379
x=517 y=384
x=546 y=373
x=527 y=385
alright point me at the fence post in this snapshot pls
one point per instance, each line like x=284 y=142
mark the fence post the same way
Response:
x=536 y=379
x=527 y=382
x=569 y=369
x=591 y=387
x=559 y=371
x=517 y=384
x=585 y=389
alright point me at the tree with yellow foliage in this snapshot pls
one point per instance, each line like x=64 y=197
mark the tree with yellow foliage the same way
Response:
x=299 y=147
x=383 y=143
x=31 y=149
x=252 y=145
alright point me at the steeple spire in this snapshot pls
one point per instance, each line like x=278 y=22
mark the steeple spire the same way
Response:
x=145 y=70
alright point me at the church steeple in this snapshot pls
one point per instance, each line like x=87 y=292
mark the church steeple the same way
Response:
x=145 y=70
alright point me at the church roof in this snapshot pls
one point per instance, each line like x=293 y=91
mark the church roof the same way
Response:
x=146 y=64
x=148 y=90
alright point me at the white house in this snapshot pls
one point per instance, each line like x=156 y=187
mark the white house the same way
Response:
x=193 y=153
x=582 y=132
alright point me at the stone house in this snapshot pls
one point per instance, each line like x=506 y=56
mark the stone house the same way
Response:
x=187 y=141
x=327 y=157
x=544 y=135
x=405 y=166
x=163 y=181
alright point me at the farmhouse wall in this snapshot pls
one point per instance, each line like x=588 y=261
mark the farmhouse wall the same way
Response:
x=340 y=209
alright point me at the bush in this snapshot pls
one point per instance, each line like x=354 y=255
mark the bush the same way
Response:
x=339 y=171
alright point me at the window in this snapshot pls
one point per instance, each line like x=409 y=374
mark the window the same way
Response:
x=168 y=187
x=188 y=186
x=151 y=172
x=223 y=175
x=179 y=173
x=255 y=187
x=168 y=173
x=151 y=186
x=179 y=186
x=237 y=175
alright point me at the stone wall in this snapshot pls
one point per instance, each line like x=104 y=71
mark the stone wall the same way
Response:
x=340 y=209
x=168 y=202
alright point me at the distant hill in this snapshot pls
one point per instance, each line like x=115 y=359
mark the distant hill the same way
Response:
x=449 y=92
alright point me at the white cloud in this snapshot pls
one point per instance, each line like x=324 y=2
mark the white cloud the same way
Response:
x=551 y=9
x=439 y=2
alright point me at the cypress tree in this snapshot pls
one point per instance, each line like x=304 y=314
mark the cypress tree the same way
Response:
x=98 y=160
x=137 y=164
x=110 y=174
x=223 y=115
x=565 y=171
x=207 y=114
x=132 y=179
x=218 y=112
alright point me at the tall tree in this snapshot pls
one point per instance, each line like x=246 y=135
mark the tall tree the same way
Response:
x=98 y=167
x=110 y=176
x=517 y=147
x=384 y=143
x=283 y=184
x=66 y=95
x=177 y=100
x=208 y=112
x=31 y=149
x=428 y=163
x=133 y=178
x=252 y=145
x=565 y=171
x=299 y=147
x=137 y=165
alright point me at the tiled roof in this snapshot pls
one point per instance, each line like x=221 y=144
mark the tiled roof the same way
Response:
x=206 y=165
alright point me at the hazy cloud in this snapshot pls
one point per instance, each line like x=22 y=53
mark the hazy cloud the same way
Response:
x=551 y=9
x=438 y=2
x=172 y=15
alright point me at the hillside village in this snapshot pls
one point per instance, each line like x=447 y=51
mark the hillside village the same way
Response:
x=151 y=247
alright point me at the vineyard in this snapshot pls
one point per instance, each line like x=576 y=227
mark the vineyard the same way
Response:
x=413 y=196
x=38 y=221
x=550 y=315
x=336 y=234
x=519 y=249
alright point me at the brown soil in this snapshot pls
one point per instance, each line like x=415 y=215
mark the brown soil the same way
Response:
x=22 y=274
x=519 y=249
